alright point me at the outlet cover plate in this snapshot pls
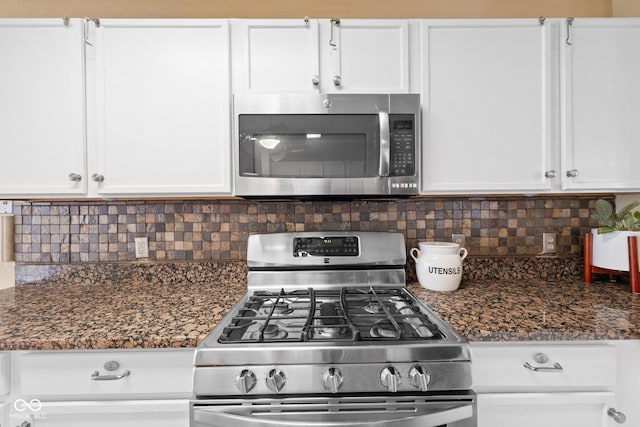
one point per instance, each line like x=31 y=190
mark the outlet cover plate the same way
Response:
x=6 y=206
x=142 y=247
x=549 y=245
x=459 y=239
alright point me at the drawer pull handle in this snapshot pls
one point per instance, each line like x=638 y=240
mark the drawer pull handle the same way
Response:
x=97 y=377
x=555 y=368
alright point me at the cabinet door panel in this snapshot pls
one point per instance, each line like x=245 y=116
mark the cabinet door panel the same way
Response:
x=370 y=56
x=149 y=413
x=544 y=409
x=486 y=95
x=601 y=104
x=163 y=107
x=42 y=134
x=279 y=55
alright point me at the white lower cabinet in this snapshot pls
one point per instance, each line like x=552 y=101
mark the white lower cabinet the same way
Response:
x=138 y=387
x=128 y=413
x=540 y=384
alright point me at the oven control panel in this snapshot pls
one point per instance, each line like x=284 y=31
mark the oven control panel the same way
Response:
x=329 y=246
x=403 y=145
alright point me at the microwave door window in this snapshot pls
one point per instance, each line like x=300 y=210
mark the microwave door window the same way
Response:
x=307 y=146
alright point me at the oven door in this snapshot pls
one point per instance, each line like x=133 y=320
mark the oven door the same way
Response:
x=405 y=411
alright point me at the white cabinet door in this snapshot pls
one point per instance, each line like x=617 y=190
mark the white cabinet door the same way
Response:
x=486 y=96
x=42 y=133
x=601 y=104
x=544 y=409
x=628 y=382
x=4 y=374
x=163 y=94
x=278 y=56
x=134 y=413
x=360 y=55
x=4 y=413
x=298 y=56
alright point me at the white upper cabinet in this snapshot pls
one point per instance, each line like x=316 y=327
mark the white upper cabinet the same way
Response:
x=298 y=56
x=601 y=104
x=487 y=105
x=42 y=115
x=163 y=107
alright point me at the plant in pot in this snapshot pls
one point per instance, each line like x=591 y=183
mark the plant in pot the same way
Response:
x=610 y=248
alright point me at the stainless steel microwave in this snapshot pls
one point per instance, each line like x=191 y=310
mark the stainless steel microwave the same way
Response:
x=326 y=144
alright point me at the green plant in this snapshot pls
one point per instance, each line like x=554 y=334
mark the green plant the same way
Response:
x=623 y=220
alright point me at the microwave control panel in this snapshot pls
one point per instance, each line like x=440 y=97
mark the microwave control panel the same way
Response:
x=402 y=134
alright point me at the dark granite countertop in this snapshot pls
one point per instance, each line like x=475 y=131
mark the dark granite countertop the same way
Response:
x=537 y=310
x=145 y=315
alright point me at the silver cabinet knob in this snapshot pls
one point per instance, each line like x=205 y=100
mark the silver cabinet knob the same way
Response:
x=390 y=378
x=337 y=80
x=276 y=379
x=332 y=380
x=245 y=381
x=315 y=79
x=617 y=416
x=97 y=177
x=573 y=173
x=419 y=377
x=75 y=177
x=550 y=174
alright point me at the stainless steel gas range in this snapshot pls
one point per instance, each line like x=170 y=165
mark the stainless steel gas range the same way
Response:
x=328 y=335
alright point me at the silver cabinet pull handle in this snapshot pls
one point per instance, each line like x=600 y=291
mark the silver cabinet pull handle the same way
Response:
x=550 y=174
x=555 y=368
x=315 y=79
x=617 y=416
x=337 y=80
x=97 y=177
x=75 y=177
x=573 y=173
x=97 y=377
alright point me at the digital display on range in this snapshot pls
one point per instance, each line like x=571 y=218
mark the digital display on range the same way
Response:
x=326 y=246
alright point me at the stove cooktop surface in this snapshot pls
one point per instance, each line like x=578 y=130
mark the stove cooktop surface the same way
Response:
x=356 y=314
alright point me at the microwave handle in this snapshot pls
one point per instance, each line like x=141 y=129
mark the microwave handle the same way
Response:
x=385 y=144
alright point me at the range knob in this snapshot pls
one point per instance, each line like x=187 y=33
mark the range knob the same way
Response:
x=419 y=377
x=390 y=378
x=332 y=380
x=245 y=381
x=276 y=380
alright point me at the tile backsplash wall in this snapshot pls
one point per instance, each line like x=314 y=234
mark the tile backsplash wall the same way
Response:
x=94 y=231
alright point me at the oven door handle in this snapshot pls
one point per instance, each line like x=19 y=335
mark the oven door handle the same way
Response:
x=385 y=144
x=452 y=413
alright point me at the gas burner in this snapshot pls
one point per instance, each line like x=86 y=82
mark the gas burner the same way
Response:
x=271 y=332
x=384 y=329
x=280 y=308
x=373 y=308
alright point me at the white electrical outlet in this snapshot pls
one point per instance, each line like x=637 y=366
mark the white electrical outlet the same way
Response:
x=6 y=206
x=142 y=247
x=549 y=243
x=459 y=239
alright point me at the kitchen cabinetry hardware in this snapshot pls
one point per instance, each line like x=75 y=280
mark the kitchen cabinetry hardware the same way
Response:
x=315 y=79
x=75 y=177
x=617 y=416
x=337 y=80
x=306 y=20
x=335 y=22
x=555 y=368
x=569 y=23
x=97 y=377
x=550 y=174
x=540 y=358
x=66 y=21
x=541 y=20
x=573 y=173
x=111 y=366
x=97 y=177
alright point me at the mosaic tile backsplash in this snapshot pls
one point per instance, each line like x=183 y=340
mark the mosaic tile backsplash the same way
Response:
x=214 y=230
